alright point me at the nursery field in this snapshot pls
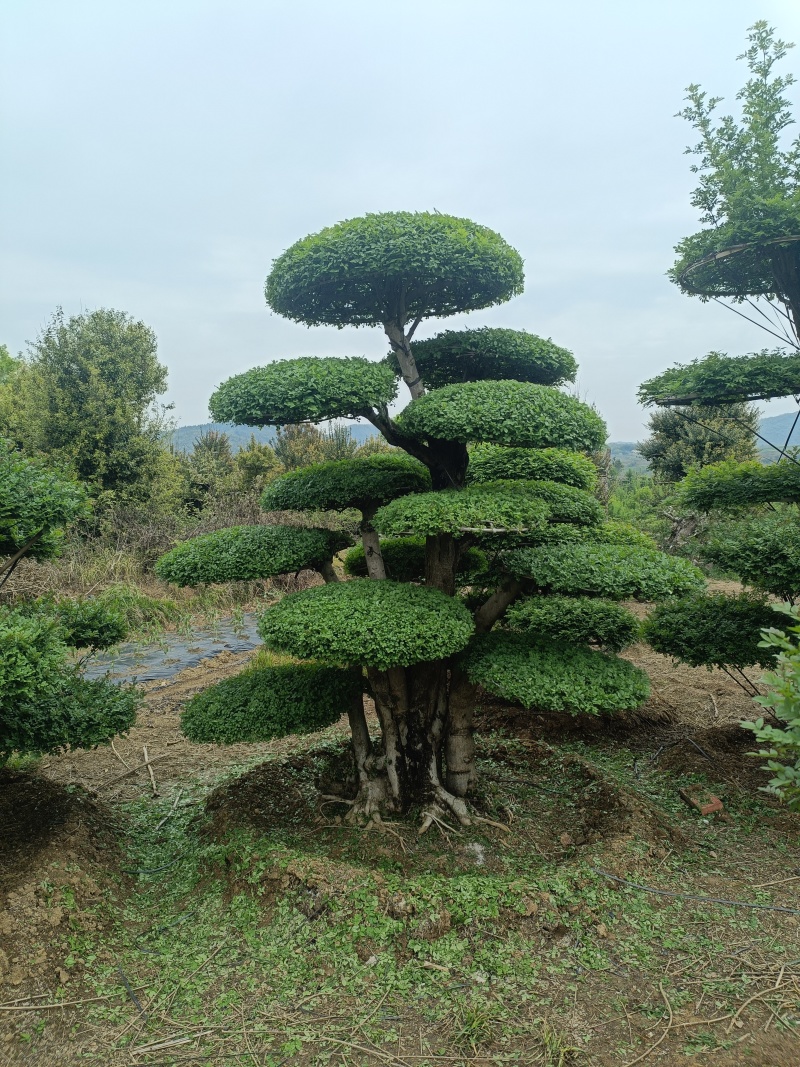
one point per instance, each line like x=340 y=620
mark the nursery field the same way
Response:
x=213 y=907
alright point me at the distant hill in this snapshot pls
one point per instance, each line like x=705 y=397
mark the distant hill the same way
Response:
x=183 y=438
x=776 y=429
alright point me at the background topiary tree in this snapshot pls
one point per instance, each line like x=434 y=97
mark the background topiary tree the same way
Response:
x=486 y=502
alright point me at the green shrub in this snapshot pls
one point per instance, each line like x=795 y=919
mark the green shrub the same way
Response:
x=731 y=485
x=347 y=483
x=713 y=630
x=264 y=702
x=554 y=677
x=90 y=623
x=35 y=500
x=404 y=559
x=575 y=620
x=308 y=389
x=472 y=355
x=245 y=553
x=69 y=712
x=46 y=705
x=782 y=742
x=491 y=463
x=505 y=413
x=380 y=624
x=618 y=572
x=763 y=551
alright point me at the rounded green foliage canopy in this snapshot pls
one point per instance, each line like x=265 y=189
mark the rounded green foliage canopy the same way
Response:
x=764 y=552
x=307 y=389
x=505 y=413
x=720 y=379
x=554 y=677
x=404 y=560
x=575 y=621
x=264 y=702
x=492 y=507
x=380 y=624
x=730 y=485
x=473 y=355
x=618 y=572
x=714 y=631
x=491 y=463
x=393 y=267
x=247 y=553
x=347 y=483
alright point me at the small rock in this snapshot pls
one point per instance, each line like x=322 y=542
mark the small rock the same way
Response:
x=63 y=976
x=371 y=961
x=566 y=840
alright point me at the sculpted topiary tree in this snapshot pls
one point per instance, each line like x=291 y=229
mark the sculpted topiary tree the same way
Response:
x=488 y=507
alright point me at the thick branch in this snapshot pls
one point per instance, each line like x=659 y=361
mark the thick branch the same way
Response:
x=10 y=564
x=327 y=571
x=405 y=357
x=495 y=607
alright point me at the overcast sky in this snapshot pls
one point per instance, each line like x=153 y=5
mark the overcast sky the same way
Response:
x=158 y=156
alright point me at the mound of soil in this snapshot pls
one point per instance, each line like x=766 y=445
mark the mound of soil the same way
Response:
x=58 y=860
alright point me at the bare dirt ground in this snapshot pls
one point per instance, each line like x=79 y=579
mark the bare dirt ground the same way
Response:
x=64 y=873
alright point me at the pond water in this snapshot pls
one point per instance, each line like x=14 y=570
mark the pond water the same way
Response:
x=135 y=661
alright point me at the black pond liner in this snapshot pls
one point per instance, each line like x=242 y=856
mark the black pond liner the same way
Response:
x=175 y=652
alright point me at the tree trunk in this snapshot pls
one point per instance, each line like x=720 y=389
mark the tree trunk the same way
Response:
x=372 y=545
x=460 y=740
x=441 y=558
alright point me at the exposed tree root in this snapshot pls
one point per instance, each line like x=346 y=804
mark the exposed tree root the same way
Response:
x=444 y=806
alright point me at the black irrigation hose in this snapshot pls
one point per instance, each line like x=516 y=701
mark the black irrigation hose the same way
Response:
x=691 y=896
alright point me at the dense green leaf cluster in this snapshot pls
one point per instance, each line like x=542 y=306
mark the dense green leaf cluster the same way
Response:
x=553 y=677
x=713 y=630
x=396 y=266
x=732 y=486
x=347 y=483
x=307 y=389
x=404 y=560
x=495 y=506
x=505 y=413
x=83 y=623
x=618 y=572
x=246 y=553
x=612 y=532
x=35 y=500
x=381 y=624
x=782 y=741
x=44 y=704
x=575 y=621
x=491 y=463
x=264 y=702
x=764 y=552
x=720 y=379
x=473 y=355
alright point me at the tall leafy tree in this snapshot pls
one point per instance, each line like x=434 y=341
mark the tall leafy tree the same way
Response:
x=484 y=557
x=748 y=194
x=686 y=438
x=89 y=399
